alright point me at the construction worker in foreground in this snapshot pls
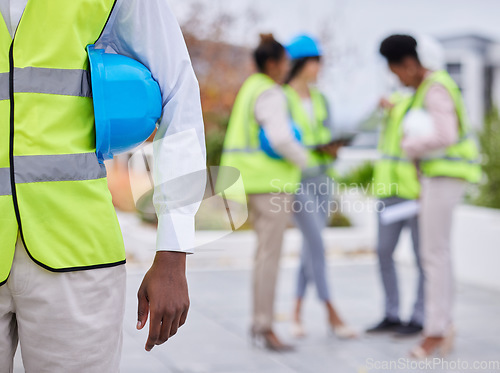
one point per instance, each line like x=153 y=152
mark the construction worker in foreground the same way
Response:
x=62 y=272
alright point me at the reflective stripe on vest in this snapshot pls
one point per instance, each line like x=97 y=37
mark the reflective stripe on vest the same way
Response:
x=47 y=168
x=4 y=86
x=393 y=158
x=49 y=81
x=5 y=188
x=253 y=150
x=245 y=150
x=451 y=159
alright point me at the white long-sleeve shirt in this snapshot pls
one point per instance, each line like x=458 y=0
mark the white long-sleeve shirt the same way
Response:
x=148 y=32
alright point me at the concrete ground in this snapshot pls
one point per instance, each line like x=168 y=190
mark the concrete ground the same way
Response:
x=215 y=338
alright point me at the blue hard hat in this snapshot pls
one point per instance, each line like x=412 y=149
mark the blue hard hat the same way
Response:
x=303 y=46
x=127 y=102
x=265 y=145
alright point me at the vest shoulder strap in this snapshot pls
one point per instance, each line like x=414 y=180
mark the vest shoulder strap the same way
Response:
x=444 y=79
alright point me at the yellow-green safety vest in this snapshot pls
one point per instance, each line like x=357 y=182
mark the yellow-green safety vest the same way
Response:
x=242 y=150
x=53 y=191
x=314 y=130
x=461 y=160
x=395 y=175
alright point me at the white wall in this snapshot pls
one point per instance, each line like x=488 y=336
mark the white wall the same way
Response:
x=472 y=82
x=494 y=58
x=474 y=85
x=496 y=87
x=476 y=246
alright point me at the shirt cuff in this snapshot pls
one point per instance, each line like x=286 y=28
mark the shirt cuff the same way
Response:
x=175 y=233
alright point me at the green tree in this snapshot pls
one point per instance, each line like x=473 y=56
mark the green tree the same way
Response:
x=215 y=136
x=489 y=189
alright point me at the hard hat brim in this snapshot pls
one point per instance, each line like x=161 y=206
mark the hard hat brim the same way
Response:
x=102 y=124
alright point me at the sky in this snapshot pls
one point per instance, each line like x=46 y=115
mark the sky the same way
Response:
x=355 y=76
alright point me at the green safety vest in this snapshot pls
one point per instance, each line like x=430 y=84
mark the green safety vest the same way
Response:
x=461 y=160
x=53 y=191
x=395 y=175
x=315 y=130
x=242 y=150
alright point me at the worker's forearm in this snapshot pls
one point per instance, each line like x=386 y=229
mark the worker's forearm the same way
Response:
x=174 y=261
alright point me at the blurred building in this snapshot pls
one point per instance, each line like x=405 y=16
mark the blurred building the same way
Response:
x=474 y=62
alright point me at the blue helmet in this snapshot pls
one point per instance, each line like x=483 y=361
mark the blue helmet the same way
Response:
x=127 y=102
x=304 y=46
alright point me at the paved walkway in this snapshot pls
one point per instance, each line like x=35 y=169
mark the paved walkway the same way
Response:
x=215 y=338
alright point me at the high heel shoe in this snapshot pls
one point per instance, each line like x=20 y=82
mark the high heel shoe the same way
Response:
x=343 y=332
x=269 y=341
x=298 y=330
x=441 y=349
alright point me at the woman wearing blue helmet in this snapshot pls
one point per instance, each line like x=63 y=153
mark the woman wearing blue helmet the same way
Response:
x=309 y=110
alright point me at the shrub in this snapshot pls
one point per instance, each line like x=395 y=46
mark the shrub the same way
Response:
x=489 y=139
x=360 y=177
x=214 y=137
x=339 y=220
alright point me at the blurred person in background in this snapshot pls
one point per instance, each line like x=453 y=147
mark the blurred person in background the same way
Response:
x=437 y=139
x=310 y=112
x=397 y=187
x=269 y=182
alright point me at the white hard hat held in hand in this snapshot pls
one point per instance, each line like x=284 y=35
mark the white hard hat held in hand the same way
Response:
x=418 y=123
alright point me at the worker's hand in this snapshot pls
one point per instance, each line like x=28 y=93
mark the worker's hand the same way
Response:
x=385 y=104
x=330 y=149
x=164 y=295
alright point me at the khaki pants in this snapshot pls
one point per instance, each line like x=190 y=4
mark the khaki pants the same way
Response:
x=439 y=198
x=65 y=322
x=270 y=216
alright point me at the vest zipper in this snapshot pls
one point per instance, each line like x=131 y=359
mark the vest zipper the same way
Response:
x=11 y=143
x=11 y=137
x=11 y=140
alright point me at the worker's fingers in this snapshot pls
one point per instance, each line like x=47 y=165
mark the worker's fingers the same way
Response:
x=175 y=325
x=184 y=316
x=172 y=320
x=142 y=309
x=166 y=327
x=154 y=329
